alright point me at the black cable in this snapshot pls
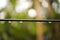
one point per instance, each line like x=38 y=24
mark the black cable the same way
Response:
x=30 y=20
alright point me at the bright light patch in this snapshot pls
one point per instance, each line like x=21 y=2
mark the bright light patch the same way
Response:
x=21 y=22
x=49 y=22
x=10 y=22
x=3 y=3
x=59 y=1
x=32 y=13
x=45 y=4
x=2 y=15
x=55 y=6
x=23 y=5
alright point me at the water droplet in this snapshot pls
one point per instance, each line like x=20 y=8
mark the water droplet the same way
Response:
x=49 y=22
x=10 y=22
x=21 y=22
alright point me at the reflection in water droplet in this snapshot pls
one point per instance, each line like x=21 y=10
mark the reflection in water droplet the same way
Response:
x=49 y=22
x=21 y=22
x=10 y=22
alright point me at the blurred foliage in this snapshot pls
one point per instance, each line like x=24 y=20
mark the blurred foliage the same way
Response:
x=22 y=31
x=13 y=2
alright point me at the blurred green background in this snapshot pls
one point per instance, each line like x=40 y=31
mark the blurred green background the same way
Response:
x=25 y=9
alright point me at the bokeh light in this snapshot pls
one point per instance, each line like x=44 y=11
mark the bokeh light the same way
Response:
x=32 y=13
x=2 y=15
x=23 y=5
x=45 y=4
x=3 y=3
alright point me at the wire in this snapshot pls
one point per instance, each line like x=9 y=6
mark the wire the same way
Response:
x=30 y=20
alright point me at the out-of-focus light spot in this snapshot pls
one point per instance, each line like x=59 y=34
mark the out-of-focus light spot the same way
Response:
x=32 y=13
x=45 y=4
x=10 y=22
x=22 y=1
x=3 y=3
x=23 y=5
x=21 y=22
x=59 y=1
x=55 y=6
x=49 y=22
x=2 y=15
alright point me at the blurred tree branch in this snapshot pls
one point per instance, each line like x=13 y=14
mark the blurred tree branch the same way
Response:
x=55 y=24
x=39 y=25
